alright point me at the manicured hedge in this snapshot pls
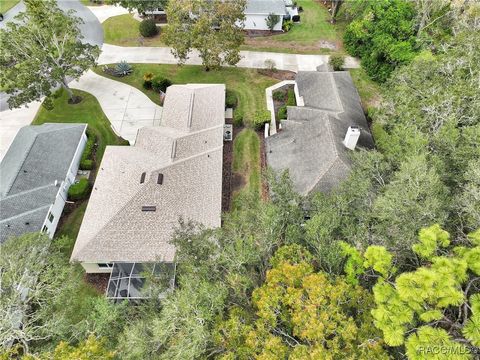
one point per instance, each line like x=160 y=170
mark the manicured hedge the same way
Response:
x=86 y=162
x=79 y=191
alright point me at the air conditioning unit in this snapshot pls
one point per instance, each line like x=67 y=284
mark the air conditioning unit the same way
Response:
x=351 y=138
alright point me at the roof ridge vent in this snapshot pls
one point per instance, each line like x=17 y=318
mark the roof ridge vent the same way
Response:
x=190 y=110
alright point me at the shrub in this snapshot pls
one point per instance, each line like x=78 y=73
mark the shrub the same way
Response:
x=296 y=18
x=123 y=68
x=272 y=20
x=147 y=80
x=231 y=99
x=291 y=101
x=260 y=118
x=86 y=162
x=282 y=113
x=270 y=64
x=159 y=83
x=48 y=103
x=148 y=28
x=278 y=95
x=287 y=25
x=237 y=118
x=337 y=62
x=80 y=190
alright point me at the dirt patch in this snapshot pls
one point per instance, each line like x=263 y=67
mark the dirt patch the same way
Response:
x=278 y=74
x=98 y=281
x=238 y=182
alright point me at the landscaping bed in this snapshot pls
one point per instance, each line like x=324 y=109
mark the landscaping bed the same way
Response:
x=283 y=97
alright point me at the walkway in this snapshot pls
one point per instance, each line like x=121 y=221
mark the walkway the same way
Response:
x=250 y=59
x=127 y=108
x=106 y=11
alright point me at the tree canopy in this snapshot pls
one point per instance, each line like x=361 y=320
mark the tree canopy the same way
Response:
x=213 y=28
x=41 y=50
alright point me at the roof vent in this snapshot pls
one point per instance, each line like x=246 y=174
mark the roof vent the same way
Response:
x=160 y=179
x=27 y=223
x=142 y=178
x=351 y=138
x=149 y=208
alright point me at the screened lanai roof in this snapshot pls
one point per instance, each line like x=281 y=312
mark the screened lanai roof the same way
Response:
x=129 y=281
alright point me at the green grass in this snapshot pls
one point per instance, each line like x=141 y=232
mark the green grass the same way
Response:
x=71 y=224
x=122 y=30
x=6 y=5
x=304 y=37
x=246 y=162
x=88 y=111
x=248 y=84
x=368 y=90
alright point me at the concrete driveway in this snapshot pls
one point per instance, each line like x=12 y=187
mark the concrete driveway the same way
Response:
x=12 y=120
x=250 y=59
x=127 y=108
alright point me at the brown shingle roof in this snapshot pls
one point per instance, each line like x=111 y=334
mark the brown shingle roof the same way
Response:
x=187 y=153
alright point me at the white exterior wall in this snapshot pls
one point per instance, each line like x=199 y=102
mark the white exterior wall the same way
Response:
x=259 y=22
x=93 y=268
x=56 y=208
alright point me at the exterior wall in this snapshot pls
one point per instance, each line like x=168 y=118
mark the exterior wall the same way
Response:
x=93 y=268
x=259 y=22
x=56 y=208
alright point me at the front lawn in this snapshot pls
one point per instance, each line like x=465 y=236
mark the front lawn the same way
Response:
x=246 y=165
x=6 y=5
x=313 y=34
x=248 y=84
x=122 y=30
x=88 y=111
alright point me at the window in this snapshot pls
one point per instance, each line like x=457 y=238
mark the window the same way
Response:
x=44 y=229
x=50 y=217
x=105 y=265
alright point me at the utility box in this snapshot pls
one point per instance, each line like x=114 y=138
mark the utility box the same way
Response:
x=228 y=132
x=351 y=138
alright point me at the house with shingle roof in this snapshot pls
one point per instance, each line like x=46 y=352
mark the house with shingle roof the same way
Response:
x=35 y=175
x=315 y=141
x=173 y=171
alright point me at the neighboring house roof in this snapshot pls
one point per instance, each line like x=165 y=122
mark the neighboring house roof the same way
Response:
x=39 y=156
x=185 y=155
x=310 y=144
x=265 y=7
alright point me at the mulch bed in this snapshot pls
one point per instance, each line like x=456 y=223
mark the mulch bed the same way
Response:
x=98 y=281
x=227 y=182
x=263 y=164
x=278 y=74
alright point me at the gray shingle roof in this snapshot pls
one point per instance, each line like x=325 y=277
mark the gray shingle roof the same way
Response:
x=38 y=156
x=310 y=144
x=187 y=151
x=265 y=7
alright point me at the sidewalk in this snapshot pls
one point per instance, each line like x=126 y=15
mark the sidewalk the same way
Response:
x=127 y=108
x=250 y=59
